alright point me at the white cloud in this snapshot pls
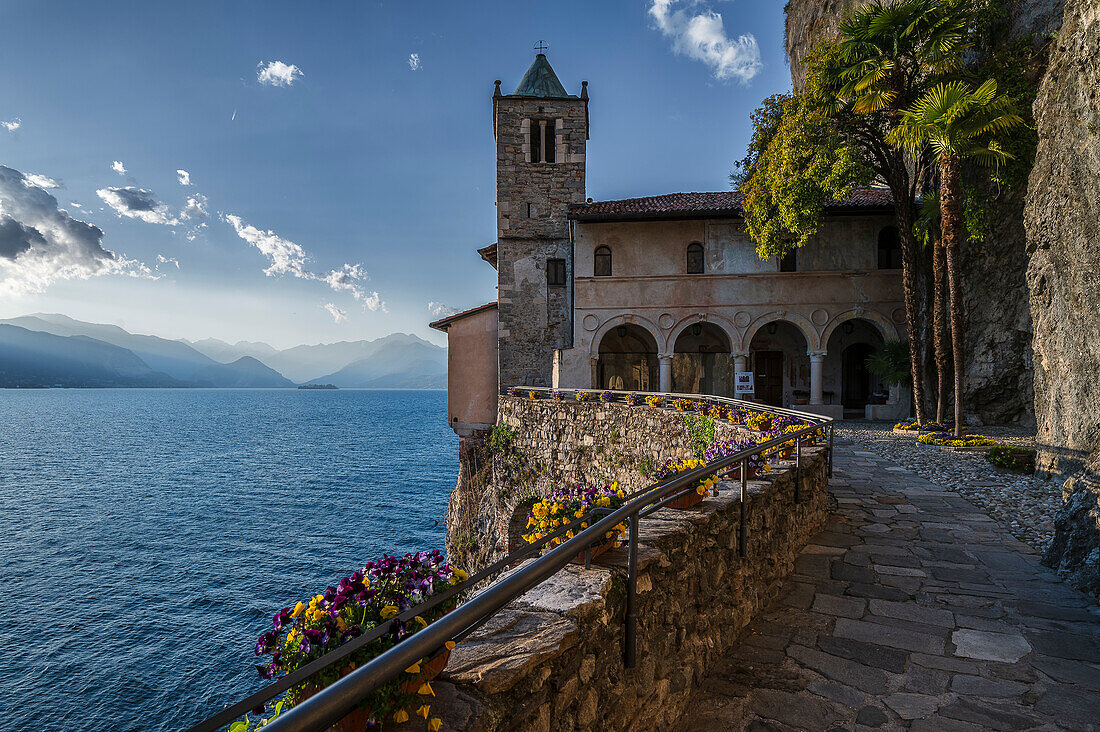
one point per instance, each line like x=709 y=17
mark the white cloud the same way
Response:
x=195 y=208
x=40 y=243
x=42 y=181
x=440 y=310
x=12 y=124
x=337 y=314
x=414 y=61
x=118 y=167
x=184 y=177
x=74 y=204
x=168 y=260
x=286 y=257
x=137 y=203
x=277 y=73
x=702 y=36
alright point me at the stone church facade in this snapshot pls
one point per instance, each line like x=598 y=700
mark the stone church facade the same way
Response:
x=664 y=293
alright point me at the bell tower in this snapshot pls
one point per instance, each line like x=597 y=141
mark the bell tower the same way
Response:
x=541 y=133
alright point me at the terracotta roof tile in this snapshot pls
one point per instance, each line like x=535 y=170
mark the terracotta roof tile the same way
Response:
x=679 y=205
x=442 y=323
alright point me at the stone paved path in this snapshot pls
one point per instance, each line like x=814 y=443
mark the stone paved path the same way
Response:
x=912 y=610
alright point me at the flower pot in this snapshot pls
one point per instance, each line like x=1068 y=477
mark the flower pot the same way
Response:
x=735 y=474
x=357 y=720
x=685 y=500
x=595 y=551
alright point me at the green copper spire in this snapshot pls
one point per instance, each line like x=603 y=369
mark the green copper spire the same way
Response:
x=541 y=81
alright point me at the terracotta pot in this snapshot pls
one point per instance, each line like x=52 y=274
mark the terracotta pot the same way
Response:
x=595 y=551
x=357 y=720
x=686 y=500
x=735 y=474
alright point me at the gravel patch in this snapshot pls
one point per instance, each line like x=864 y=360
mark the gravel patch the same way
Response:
x=1025 y=504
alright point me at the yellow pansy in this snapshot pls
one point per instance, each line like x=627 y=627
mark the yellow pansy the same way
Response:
x=389 y=611
x=425 y=690
x=400 y=716
x=414 y=669
x=421 y=621
x=424 y=711
x=434 y=724
x=449 y=645
x=462 y=576
x=298 y=609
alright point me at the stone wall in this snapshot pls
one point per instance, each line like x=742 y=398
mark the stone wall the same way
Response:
x=1063 y=227
x=553 y=660
x=554 y=444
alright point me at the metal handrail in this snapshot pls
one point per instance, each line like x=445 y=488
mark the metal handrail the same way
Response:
x=331 y=704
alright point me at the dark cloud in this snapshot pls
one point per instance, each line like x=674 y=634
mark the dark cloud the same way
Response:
x=16 y=238
x=137 y=203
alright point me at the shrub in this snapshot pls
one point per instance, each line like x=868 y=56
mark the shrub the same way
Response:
x=1016 y=459
x=501 y=438
x=700 y=429
x=947 y=439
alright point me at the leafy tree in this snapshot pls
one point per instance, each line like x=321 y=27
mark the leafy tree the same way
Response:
x=957 y=123
x=927 y=228
x=890 y=363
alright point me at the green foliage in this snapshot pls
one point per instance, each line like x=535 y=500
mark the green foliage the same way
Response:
x=765 y=123
x=700 y=429
x=1016 y=459
x=501 y=439
x=891 y=362
x=796 y=162
x=646 y=467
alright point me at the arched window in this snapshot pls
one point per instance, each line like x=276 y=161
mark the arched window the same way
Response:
x=602 y=264
x=695 y=258
x=889 y=248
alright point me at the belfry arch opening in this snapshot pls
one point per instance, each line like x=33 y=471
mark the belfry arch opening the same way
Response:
x=701 y=362
x=627 y=359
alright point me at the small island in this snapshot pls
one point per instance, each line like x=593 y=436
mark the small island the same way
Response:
x=317 y=386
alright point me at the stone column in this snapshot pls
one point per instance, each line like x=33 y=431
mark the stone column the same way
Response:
x=594 y=379
x=740 y=362
x=817 y=365
x=666 y=372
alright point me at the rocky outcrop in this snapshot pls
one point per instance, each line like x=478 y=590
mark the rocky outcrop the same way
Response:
x=1062 y=217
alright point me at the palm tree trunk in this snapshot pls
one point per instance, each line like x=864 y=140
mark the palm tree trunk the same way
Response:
x=951 y=222
x=939 y=325
x=903 y=211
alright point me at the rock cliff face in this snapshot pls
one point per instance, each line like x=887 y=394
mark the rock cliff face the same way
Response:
x=998 y=337
x=1062 y=217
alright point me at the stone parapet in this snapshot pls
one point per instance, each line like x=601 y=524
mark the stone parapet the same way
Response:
x=553 y=660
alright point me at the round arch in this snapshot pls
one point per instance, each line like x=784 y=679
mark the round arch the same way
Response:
x=809 y=332
x=885 y=328
x=684 y=323
x=624 y=319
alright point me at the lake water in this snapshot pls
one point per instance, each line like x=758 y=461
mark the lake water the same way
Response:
x=148 y=535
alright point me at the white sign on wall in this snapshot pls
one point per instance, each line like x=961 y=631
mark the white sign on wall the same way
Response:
x=743 y=383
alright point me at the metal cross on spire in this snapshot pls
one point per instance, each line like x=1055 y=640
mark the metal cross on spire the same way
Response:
x=541 y=46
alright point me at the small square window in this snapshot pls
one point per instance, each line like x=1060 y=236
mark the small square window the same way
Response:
x=555 y=272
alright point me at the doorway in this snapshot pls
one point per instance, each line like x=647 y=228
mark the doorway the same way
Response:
x=855 y=378
x=768 y=375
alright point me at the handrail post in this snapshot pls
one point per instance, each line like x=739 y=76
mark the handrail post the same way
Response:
x=798 y=469
x=832 y=430
x=630 y=645
x=741 y=529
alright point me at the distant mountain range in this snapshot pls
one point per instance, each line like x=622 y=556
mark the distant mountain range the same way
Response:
x=55 y=350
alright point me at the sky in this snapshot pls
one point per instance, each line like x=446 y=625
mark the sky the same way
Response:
x=314 y=172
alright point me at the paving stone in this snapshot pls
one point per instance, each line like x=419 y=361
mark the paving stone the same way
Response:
x=870 y=654
x=981 y=686
x=1064 y=645
x=912 y=706
x=912 y=611
x=923 y=680
x=800 y=711
x=870 y=680
x=848 y=573
x=872 y=716
x=888 y=636
x=857 y=589
x=987 y=646
x=989 y=715
x=1072 y=672
x=941 y=724
x=1063 y=704
x=848 y=607
x=846 y=695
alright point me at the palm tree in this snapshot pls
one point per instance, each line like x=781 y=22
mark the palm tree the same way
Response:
x=957 y=123
x=927 y=226
x=888 y=54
